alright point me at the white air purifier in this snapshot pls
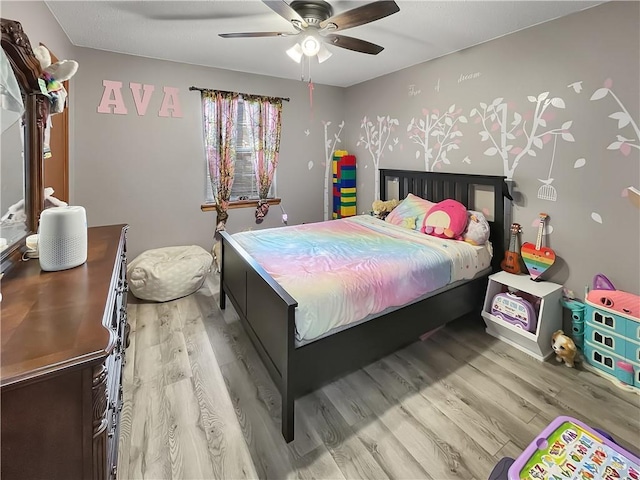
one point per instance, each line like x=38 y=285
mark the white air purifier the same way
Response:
x=62 y=239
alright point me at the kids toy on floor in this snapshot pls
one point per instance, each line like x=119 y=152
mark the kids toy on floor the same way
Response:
x=569 y=449
x=564 y=348
x=607 y=328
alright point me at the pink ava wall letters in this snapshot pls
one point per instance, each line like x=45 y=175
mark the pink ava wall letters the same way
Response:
x=112 y=101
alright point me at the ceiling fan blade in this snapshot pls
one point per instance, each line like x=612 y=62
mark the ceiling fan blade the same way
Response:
x=361 y=15
x=283 y=9
x=256 y=34
x=354 y=44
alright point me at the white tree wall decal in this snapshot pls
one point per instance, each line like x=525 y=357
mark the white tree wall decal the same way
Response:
x=495 y=118
x=375 y=140
x=624 y=119
x=436 y=133
x=329 y=148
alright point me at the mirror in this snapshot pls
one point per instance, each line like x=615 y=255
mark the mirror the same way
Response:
x=21 y=162
x=13 y=219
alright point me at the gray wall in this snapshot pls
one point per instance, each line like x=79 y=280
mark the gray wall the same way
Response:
x=594 y=228
x=149 y=171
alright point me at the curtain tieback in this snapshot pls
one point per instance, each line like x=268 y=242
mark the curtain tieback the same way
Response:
x=261 y=210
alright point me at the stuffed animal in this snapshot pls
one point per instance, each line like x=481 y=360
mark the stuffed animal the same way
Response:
x=477 y=232
x=382 y=208
x=53 y=75
x=446 y=219
x=564 y=348
x=16 y=214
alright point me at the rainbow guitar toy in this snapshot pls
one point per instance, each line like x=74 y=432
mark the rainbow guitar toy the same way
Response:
x=537 y=258
x=511 y=261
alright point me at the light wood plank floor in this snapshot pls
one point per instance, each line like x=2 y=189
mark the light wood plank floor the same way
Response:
x=200 y=404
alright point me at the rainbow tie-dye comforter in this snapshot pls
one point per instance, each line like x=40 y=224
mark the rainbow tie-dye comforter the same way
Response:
x=343 y=271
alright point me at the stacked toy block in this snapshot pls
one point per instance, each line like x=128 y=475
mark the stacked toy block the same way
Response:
x=344 y=184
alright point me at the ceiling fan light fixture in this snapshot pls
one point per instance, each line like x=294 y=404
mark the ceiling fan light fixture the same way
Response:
x=295 y=53
x=310 y=46
x=323 y=54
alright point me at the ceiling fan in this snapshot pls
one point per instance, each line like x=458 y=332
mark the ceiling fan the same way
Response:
x=315 y=18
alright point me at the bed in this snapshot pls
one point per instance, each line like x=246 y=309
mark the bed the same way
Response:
x=268 y=311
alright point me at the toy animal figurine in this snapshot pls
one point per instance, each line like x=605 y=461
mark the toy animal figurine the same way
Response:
x=564 y=348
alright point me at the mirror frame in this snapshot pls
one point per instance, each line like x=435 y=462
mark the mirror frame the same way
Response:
x=26 y=68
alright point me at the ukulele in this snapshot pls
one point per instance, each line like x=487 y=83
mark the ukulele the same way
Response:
x=537 y=258
x=511 y=262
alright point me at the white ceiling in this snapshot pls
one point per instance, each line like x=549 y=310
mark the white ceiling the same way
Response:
x=187 y=32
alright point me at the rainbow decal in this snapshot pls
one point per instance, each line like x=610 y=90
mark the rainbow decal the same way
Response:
x=537 y=260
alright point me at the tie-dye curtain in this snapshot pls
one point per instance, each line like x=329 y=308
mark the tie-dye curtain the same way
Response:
x=220 y=112
x=264 y=115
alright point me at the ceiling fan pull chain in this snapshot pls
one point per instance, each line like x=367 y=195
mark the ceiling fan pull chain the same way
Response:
x=310 y=90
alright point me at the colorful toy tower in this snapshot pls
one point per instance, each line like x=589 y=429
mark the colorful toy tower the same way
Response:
x=344 y=184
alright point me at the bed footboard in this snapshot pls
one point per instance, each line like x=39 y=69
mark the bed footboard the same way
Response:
x=267 y=312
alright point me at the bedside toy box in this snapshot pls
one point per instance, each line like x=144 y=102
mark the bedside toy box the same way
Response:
x=514 y=310
x=569 y=449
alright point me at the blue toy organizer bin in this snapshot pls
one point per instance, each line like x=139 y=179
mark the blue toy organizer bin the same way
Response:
x=577 y=320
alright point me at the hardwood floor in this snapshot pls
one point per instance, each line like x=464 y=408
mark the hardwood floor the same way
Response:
x=200 y=404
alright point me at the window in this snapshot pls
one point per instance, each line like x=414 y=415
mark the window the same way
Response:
x=245 y=186
x=242 y=142
x=604 y=360
x=608 y=321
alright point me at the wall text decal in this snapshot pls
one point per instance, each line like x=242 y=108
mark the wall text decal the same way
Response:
x=413 y=91
x=112 y=101
x=468 y=76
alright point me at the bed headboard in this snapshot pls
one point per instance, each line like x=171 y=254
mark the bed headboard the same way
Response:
x=487 y=193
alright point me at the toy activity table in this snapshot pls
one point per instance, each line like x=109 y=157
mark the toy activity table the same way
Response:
x=568 y=449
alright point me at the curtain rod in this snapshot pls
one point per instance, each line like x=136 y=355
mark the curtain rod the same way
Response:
x=286 y=99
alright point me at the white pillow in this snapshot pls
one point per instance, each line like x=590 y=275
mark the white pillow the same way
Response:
x=167 y=273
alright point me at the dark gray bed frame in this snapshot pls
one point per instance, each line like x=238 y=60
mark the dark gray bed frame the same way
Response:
x=267 y=311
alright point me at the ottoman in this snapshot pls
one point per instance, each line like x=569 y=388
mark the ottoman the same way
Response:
x=167 y=273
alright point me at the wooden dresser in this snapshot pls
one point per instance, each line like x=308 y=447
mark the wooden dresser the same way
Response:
x=64 y=336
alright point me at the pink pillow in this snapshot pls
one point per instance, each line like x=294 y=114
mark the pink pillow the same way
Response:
x=446 y=219
x=412 y=207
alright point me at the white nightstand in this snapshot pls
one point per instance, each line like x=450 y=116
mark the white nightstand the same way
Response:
x=538 y=343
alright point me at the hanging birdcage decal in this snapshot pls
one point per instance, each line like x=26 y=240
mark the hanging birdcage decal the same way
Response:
x=548 y=191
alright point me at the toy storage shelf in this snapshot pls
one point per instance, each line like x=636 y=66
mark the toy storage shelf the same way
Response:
x=538 y=343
